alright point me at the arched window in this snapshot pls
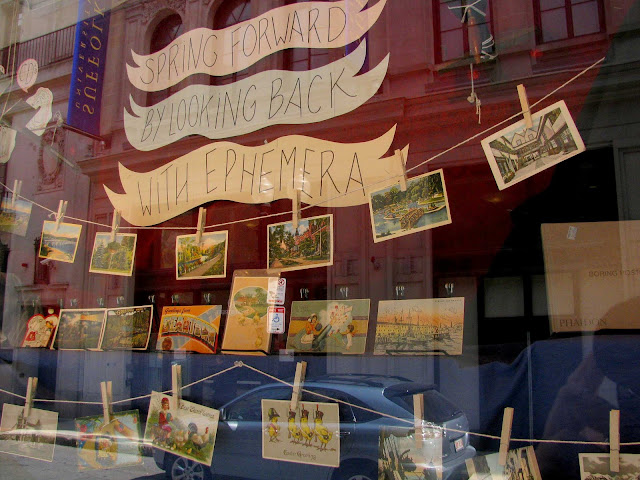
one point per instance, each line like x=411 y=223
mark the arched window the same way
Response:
x=301 y=59
x=230 y=13
x=165 y=32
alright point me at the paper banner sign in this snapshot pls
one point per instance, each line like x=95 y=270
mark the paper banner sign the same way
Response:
x=42 y=102
x=221 y=52
x=330 y=173
x=268 y=98
x=7 y=143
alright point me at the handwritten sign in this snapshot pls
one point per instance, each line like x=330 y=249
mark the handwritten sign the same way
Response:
x=333 y=174
x=7 y=143
x=221 y=52
x=42 y=102
x=27 y=74
x=267 y=98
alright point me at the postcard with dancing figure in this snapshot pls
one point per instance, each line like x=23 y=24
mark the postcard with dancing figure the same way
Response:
x=310 y=434
x=329 y=326
x=309 y=245
x=595 y=466
x=188 y=430
x=399 y=456
x=59 y=243
x=208 y=259
x=40 y=330
x=113 y=257
x=33 y=436
x=521 y=463
x=423 y=206
x=79 y=329
x=109 y=445
x=516 y=153
x=423 y=326
x=246 y=327
x=127 y=328
x=15 y=218
x=189 y=329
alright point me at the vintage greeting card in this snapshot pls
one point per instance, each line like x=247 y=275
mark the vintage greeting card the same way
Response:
x=400 y=457
x=127 y=328
x=308 y=435
x=110 y=445
x=521 y=463
x=516 y=152
x=424 y=326
x=309 y=245
x=33 y=436
x=189 y=329
x=79 y=329
x=113 y=258
x=188 y=431
x=40 y=331
x=60 y=244
x=205 y=260
x=15 y=218
x=329 y=326
x=423 y=206
x=595 y=466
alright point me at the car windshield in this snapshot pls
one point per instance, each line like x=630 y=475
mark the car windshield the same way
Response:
x=437 y=408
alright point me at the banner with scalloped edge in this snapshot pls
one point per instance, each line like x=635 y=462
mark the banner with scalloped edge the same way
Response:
x=329 y=174
x=268 y=98
x=230 y=50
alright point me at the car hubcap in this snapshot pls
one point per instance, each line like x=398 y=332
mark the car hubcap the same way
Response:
x=187 y=470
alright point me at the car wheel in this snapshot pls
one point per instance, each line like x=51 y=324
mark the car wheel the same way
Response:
x=357 y=471
x=180 y=468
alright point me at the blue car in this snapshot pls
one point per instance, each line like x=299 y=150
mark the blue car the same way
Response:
x=238 y=444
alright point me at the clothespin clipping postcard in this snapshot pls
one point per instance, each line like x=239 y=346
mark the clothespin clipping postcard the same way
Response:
x=176 y=384
x=106 y=389
x=524 y=103
x=62 y=209
x=32 y=383
x=202 y=220
x=301 y=371
x=403 y=177
x=17 y=186
x=115 y=225
x=614 y=440
x=505 y=436
x=418 y=418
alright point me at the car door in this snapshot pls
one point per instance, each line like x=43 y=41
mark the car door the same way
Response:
x=238 y=447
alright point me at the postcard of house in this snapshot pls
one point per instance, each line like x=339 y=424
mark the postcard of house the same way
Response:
x=33 y=436
x=207 y=259
x=40 y=331
x=127 y=328
x=109 y=445
x=423 y=206
x=596 y=466
x=400 y=456
x=79 y=329
x=15 y=218
x=113 y=257
x=329 y=326
x=189 y=329
x=310 y=434
x=516 y=152
x=59 y=243
x=188 y=430
x=422 y=326
x=309 y=245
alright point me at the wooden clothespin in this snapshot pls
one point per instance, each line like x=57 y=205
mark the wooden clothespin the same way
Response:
x=106 y=389
x=295 y=207
x=505 y=436
x=62 y=209
x=418 y=418
x=17 y=186
x=614 y=440
x=202 y=220
x=115 y=225
x=32 y=383
x=301 y=371
x=403 y=169
x=524 y=103
x=176 y=384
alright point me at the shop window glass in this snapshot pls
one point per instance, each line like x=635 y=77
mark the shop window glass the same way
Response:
x=464 y=29
x=166 y=32
x=228 y=14
x=560 y=19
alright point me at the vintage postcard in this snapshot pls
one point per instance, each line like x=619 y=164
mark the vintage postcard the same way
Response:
x=423 y=326
x=115 y=444
x=15 y=219
x=113 y=258
x=308 y=246
x=517 y=152
x=205 y=260
x=33 y=436
x=329 y=326
x=188 y=430
x=521 y=463
x=246 y=326
x=60 y=244
x=40 y=331
x=127 y=328
x=79 y=329
x=189 y=329
x=595 y=466
x=400 y=457
x=423 y=206
x=310 y=434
